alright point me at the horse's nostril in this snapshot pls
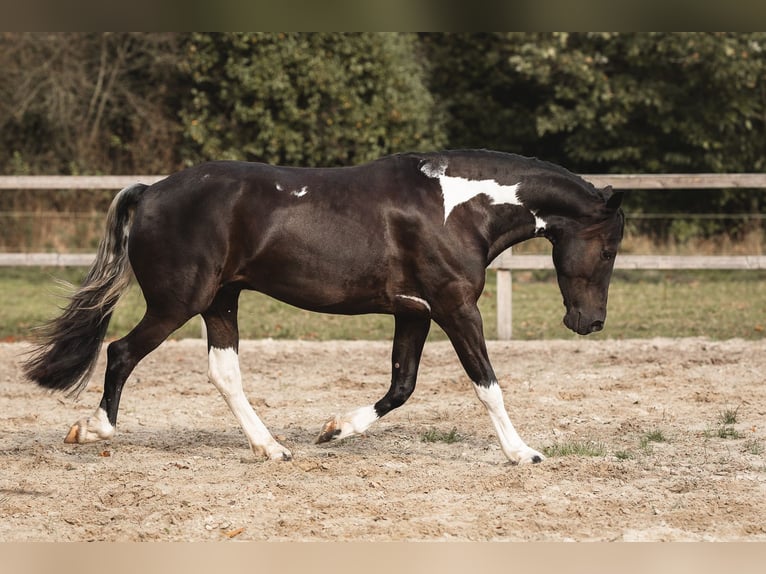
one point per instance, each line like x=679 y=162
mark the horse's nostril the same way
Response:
x=596 y=326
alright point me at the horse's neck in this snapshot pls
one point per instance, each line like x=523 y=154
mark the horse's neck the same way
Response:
x=545 y=202
x=508 y=229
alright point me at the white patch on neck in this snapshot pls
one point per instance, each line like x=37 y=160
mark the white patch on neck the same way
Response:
x=540 y=223
x=457 y=190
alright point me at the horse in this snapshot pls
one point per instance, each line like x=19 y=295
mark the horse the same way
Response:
x=408 y=235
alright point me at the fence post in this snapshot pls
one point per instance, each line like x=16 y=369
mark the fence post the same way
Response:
x=504 y=304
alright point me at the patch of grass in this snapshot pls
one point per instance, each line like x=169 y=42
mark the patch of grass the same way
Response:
x=754 y=447
x=651 y=437
x=624 y=455
x=724 y=428
x=725 y=431
x=435 y=435
x=655 y=436
x=641 y=304
x=575 y=448
x=728 y=416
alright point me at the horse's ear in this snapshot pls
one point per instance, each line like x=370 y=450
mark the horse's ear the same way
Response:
x=614 y=198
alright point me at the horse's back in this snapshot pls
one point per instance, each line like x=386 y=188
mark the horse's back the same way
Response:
x=316 y=237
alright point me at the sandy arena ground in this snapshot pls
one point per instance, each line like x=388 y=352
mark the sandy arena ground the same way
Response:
x=179 y=468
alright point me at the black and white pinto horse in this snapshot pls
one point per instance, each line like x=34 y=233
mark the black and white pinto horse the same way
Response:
x=409 y=235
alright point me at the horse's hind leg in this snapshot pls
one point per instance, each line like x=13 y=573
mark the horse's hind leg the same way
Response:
x=224 y=373
x=122 y=357
x=409 y=337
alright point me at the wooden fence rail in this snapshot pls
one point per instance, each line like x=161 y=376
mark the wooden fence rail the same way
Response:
x=504 y=264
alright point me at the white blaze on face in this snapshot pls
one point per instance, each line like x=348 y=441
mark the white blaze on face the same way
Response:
x=457 y=190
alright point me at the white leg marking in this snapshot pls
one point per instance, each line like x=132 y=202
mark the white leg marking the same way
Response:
x=354 y=422
x=91 y=429
x=224 y=373
x=417 y=300
x=514 y=448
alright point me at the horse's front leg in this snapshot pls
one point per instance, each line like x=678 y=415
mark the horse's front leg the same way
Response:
x=409 y=337
x=464 y=328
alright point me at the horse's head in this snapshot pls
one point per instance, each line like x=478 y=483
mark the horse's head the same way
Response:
x=583 y=254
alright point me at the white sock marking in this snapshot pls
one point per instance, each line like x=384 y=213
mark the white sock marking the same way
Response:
x=356 y=421
x=224 y=373
x=96 y=427
x=514 y=448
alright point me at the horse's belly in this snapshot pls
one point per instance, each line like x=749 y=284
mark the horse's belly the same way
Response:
x=329 y=283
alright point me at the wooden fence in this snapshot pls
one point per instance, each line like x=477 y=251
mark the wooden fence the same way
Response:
x=504 y=264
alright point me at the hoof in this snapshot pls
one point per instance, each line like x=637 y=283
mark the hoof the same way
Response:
x=330 y=431
x=531 y=456
x=272 y=451
x=74 y=432
x=90 y=429
x=526 y=456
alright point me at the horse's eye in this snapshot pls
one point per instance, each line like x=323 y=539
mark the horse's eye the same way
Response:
x=606 y=255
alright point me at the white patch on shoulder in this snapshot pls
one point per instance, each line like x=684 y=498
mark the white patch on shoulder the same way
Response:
x=457 y=190
x=279 y=187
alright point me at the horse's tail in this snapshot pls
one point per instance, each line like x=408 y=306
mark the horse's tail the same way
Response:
x=68 y=349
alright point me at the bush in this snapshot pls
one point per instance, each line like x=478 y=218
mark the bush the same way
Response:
x=323 y=99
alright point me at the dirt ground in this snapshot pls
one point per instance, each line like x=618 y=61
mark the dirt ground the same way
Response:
x=179 y=468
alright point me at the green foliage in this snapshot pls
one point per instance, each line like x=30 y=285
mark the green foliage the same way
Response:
x=306 y=99
x=76 y=103
x=79 y=103
x=615 y=103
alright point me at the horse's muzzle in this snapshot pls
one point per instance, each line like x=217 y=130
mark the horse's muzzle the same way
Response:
x=581 y=325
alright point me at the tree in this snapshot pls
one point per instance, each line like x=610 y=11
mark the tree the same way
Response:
x=97 y=102
x=613 y=102
x=306 y=99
